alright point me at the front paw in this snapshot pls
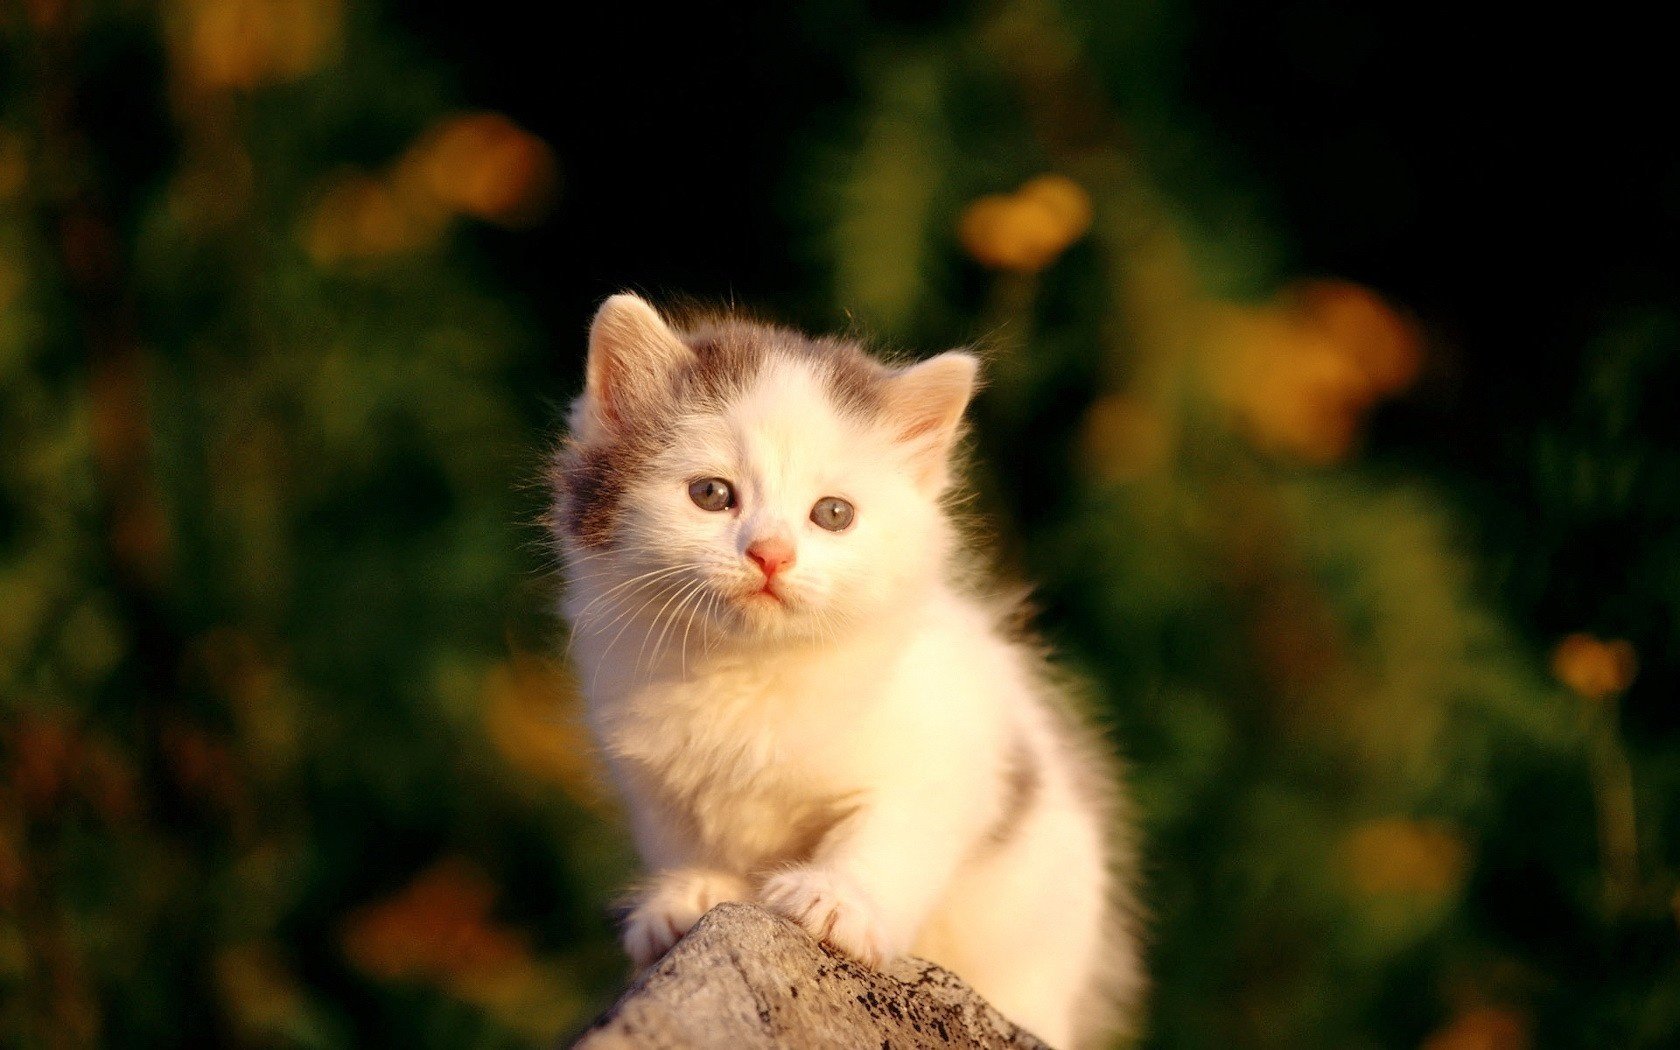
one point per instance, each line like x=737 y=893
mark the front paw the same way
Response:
x=834 y=910
x=670 y=905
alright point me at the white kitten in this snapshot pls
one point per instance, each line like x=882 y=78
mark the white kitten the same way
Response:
x=799 y=703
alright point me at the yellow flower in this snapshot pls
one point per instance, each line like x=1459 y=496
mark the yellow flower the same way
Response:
x=1397 y=855
x=1026 y=230
x=1595 y=668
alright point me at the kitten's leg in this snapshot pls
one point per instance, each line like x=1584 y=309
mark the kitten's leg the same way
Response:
x=668 y=905
x=875 y=879
x=680 y=887
x=1028 y=925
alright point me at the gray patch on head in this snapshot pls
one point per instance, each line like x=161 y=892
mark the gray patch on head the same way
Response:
x=730 y=352
x=590 y=482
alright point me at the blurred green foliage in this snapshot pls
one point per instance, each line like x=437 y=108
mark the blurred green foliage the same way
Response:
x=287 y=752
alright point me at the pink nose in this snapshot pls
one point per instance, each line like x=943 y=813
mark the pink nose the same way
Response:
x=771 y=555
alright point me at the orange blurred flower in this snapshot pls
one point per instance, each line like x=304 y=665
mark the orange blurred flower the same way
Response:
x=1026 y=230
x=1383 y=345
x=1595 y=668
x=483 y=165
x=1482 y=1028
x=1399 y=855
x=1124 y=437
x=360 y=216
x=243 y=44
x=533 y=718
x=438 y=930
x=480 y=164
x=1300 y=374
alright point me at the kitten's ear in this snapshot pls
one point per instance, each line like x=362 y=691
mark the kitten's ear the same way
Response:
x=925 y=402
x=632 y=352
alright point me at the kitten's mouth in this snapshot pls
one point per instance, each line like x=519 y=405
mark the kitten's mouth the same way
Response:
x=766 y=591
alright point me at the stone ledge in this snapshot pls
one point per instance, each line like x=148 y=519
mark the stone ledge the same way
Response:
x=745 y=979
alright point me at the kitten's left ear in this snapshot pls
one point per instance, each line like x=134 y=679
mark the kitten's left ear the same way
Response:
x=632 y=353
x=925 y=402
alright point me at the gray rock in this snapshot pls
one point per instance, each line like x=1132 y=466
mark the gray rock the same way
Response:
x=745 y=979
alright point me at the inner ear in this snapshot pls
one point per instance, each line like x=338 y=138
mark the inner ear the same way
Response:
x=632 y=354
x=925 y=405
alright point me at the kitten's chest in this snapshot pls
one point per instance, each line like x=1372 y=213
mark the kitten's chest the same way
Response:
x=752 y=767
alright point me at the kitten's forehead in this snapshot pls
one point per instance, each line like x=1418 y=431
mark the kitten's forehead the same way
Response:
x=788 y=406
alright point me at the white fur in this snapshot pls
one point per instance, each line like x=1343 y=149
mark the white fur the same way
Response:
x=840 y=756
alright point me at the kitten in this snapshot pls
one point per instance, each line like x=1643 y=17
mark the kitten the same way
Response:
x=798 y=700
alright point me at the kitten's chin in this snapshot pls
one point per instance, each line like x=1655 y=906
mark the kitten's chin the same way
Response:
x=763 y=610
x=767 y=615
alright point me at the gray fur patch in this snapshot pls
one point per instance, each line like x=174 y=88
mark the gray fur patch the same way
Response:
x=1022 y=780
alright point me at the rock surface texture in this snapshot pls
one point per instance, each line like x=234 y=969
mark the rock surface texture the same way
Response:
x=745 y=979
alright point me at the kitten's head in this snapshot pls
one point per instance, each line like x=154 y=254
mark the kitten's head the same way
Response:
x=751 y=480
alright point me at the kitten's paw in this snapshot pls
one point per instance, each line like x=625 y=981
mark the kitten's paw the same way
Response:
x=670 y=905
x=833 y=909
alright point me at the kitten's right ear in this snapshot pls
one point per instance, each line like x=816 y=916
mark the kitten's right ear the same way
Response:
x=926 y=402
x=632 y=353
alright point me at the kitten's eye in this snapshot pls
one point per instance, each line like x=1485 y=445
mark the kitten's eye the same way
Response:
x=711 y=494
x=832 y=513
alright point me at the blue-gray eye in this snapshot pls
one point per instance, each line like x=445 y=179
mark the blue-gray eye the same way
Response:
x=711 y=494
x=833 y=513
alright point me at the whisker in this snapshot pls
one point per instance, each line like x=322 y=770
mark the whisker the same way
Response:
x=581 y=623
x=629 y=619
x=653 y=574
x=700 y=596
x=659 y=645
